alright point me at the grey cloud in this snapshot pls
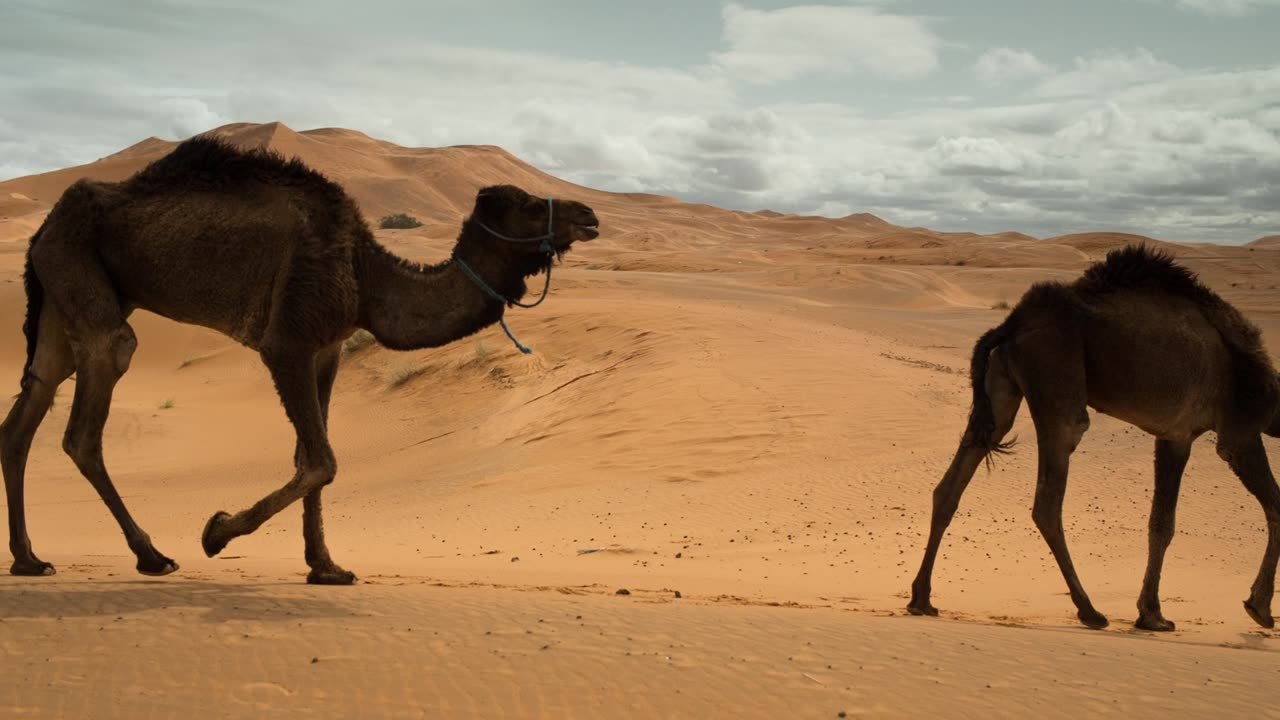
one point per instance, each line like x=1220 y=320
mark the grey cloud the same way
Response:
x=1265 y=200
x=1032 y=190
x=1230 y=8
x=736 y=173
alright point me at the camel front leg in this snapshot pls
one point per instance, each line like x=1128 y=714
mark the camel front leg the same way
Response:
x=324 y=571
x=1248 y=459
x=295 y=378
x=1171 y=460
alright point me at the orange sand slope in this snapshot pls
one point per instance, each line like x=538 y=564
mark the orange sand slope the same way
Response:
x=749 y=408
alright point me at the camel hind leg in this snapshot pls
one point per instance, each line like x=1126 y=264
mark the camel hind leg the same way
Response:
x=66 y=260
x=1006 y=398
x=101 y=360
x=51 y=365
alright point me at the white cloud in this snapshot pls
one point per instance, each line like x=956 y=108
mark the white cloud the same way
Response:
x=1002 y=65
x=1200 y=131
x=188 y=116
x=980 y=156
x=1106 y=71
x=767 y=46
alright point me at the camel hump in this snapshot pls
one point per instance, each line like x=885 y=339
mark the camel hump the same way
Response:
x=206 y=162
x=1140 y=267
x=1136 y=267
x=81 y=195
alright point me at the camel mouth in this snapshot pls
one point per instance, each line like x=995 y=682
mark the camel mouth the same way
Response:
x=588 y=231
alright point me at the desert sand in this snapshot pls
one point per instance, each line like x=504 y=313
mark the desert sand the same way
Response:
x=737 y=417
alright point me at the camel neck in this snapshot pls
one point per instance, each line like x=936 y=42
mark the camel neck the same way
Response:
x=408 y=306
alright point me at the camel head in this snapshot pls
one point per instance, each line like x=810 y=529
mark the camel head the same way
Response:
x=516 y=222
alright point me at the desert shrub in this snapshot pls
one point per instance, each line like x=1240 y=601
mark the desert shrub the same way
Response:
x=405 y=374
x=359 y=340
x=399 y=221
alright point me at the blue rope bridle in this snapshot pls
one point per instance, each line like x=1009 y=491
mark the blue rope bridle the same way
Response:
x=544 y=248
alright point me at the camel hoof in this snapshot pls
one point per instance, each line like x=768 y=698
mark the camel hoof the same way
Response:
x=331 y=576
x=213 y=545
x=157 y=568
x=32 y=568
x=1155 y=624
x=1260 y=616
x=1093 y=619
x=922 y=609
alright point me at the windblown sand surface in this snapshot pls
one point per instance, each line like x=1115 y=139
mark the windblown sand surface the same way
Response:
x=748 y=408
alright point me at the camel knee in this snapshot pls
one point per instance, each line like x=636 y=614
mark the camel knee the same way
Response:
x=1045 y=522
x=313 y=480
x=123 y=343
x=1242 y=459
x=1078 y=429
x=1048 y=518
x=1003 y=425
x=946 y=498
x=107 y=355
x=85 y=452
x=319 y=475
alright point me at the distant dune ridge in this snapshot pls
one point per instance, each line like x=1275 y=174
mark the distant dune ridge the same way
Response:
x=437 y=185
x=737 y=417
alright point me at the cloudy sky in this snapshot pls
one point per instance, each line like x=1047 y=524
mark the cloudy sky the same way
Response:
x=1046 y=116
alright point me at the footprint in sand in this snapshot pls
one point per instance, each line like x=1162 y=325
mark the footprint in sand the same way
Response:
x=262 y=693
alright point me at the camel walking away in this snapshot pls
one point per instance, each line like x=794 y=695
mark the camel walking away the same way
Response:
x=272 y=254
x=1139 y=338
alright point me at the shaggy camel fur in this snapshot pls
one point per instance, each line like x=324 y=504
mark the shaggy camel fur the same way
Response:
x=277 y=257
x=1139 y=338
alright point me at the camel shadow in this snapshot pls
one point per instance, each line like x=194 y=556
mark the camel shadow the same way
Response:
x=203 y=600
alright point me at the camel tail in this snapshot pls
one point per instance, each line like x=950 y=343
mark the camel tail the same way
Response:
x=982 y=421
x=35 y=301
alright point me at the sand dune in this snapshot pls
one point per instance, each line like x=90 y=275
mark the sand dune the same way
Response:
x=652 y=232
x=748 y=408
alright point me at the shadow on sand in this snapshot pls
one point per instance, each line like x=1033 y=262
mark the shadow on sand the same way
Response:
x=211 y=601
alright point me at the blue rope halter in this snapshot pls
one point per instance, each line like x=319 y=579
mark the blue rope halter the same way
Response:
x=544 y=248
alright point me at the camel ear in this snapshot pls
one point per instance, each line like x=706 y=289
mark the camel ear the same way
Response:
x=488 y=202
